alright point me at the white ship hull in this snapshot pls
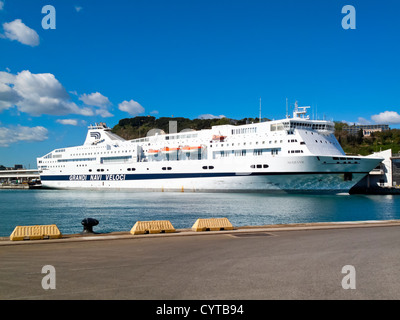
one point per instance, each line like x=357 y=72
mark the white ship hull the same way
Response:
x=285 y=183
x=224 y=177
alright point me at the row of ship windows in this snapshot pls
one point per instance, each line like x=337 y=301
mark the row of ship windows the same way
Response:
x=179 y=136
x=105 y=152
x=128 y=169
x=244 y=152
x=167 y=168
x=302 y=125
x=50 y=156
x=263 y=142
x=343 y=158
x=259 y=166
x=244 y=143
x=253 y=166
x=46 y=167
x=244 y=130
x=169 y=137
x=102 y=170
x=295 y=151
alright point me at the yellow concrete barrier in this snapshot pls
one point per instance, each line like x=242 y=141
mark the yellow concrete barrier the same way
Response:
x=213 y=224
x=36 y=232
x=158 y=226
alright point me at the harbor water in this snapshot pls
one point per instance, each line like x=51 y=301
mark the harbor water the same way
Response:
x=119 y=210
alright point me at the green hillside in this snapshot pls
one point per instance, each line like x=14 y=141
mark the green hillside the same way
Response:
x=132 y=128
x=378 y=141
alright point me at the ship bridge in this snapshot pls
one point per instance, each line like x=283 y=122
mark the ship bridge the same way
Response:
x=290 y=124
x=302 y=121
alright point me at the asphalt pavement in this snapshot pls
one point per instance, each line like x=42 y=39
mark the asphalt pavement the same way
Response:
x=348 y=262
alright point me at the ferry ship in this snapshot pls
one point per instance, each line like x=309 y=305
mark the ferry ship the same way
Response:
x=294 y=154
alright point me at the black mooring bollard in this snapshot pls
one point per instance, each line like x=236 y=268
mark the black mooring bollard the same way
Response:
x=88 y=224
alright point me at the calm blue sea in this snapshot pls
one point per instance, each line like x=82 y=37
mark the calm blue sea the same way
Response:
x=119 y=210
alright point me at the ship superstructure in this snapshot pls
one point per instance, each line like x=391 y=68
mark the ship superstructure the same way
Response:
x=293 y=154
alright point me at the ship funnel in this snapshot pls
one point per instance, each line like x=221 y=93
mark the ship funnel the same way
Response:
x=100 y=133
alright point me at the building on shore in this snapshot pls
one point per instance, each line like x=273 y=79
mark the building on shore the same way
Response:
x=367 y=129
x=18 y=176
x=396 y=170
x=385 y=178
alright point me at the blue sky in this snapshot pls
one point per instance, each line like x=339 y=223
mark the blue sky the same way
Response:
x=106 y=61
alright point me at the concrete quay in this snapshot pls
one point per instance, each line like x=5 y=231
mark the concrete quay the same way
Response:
x=302 y=261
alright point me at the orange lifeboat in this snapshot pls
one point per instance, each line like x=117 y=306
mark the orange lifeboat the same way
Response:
x=169 y=150
x=153 y=152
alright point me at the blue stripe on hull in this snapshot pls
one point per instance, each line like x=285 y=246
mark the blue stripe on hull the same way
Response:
x=121 y=177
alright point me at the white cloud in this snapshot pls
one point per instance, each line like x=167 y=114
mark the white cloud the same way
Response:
x=210 y=116
x=17 y=30
x=1 y=5
x=387 y=117
x=37 y=94
x=363 y=121
x=348 y=122
x=18 y=133
x=8 y=97
x=96 y=99
x=104 y=113
x=132 y=107
x=71 y=122
x=78 y=8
